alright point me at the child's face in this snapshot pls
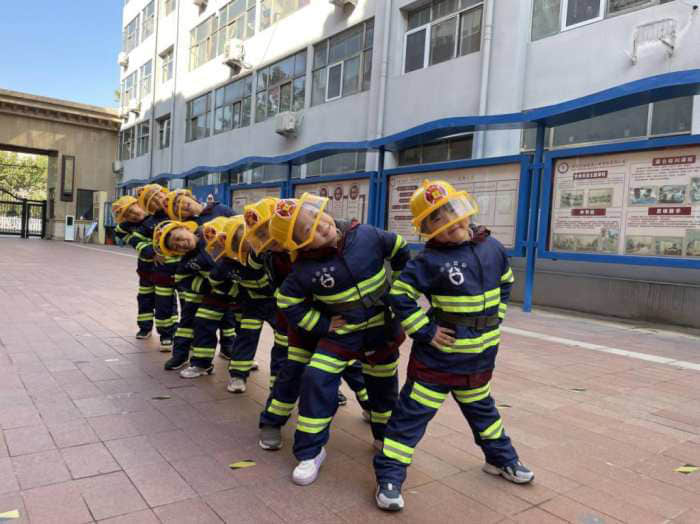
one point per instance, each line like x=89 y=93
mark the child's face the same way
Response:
x=456 y=233
x=186 y=207
x=182 y=240
x=134 y=214
x=158 y=202
x=326 y=233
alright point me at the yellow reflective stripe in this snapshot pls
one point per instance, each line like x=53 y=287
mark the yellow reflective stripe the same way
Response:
x=173 y=259
x=397 y=451
x=252 y=263
x=215 y=282
x=142 y=245
x=146 y=290
x=375 y=321
x=179 y=277
x=492 y=297
x=208 y=314
x=145 y=316
x=283 y=301
x=164 y=291
x=474 y=345
x=312 y=425
x=395 y=275
x=502 y=308
x=165 y=322
x=507 y=277
x=202 y=352
x=256 y=284
x=283 y=409
x=184 y=332
x=228 y=332
x=298 y=354
x=414 y=322
x=403 y=288
x=241 y=365
x=362 y=395
x=251 y=323
x=468 y=396
x=400 y=243
x=310 y=320
x=494 y=431
x=380 y=417
x=380 y=370
x=197 y=284
x=427 y=397
x=191 y=297
x=327 y=363
x=280 y=339
x=365 y=287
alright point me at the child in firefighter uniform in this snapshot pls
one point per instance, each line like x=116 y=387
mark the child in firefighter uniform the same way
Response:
x=336 y=291
x=466 y=277
x=182 y=206
x=295 y=347
x=130 y=217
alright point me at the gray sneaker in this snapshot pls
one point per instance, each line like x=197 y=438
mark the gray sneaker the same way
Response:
x=515 y=472
x=388 y=497
x=270 y=438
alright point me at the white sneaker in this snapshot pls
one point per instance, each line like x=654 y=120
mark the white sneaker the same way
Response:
x=236 y=385
x=194 y=372
x=255 y=366
x=307 y=470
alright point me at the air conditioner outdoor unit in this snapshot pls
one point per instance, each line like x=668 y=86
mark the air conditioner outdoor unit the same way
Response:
x=135 y=107
x=202 y=4
x=286 y=124
x=234 y=54
x=343 y=3
x=117 y=167
x=123 y=60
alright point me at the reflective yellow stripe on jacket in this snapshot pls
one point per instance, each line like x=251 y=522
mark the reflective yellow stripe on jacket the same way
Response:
x=467 y=303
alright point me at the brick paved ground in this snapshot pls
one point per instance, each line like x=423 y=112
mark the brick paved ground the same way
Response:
x=82 y=439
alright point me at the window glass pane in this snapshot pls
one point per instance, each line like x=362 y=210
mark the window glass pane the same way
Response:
x=300 y=64
x=250 y=23
x=245 y=111
x=219 y=120
x=415 y=51
x=470 y=32
x=529 y=137
x=261 y=106
x=236 y=117
x=615 y=6
x=273 y=101
x=419 y=18
x=409 y=156
x=435 y=152
x=461 y=148
x=262 y=79
x=672 y=116
x=286 y=97
x=313 y=168
x=334 y=81
x=299 y=91
x=351 y=76
x=628 y=123
x=578 y=11
x=444 y=8
x=545 y=18
x=442 y=41
x=369 y=33
x=320 y=54
x=366 y=69
x=318 y=87
x=219 y=97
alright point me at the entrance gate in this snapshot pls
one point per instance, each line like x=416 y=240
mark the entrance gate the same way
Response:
x=22 y=217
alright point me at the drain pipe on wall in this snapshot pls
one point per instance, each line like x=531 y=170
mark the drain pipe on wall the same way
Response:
x=485 y=74
x=154 y=83
x=384 y=68
x=176 y=59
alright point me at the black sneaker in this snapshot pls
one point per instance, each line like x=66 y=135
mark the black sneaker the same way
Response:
x=515 y=472
x=143 y=334
x=166 y=344
x=174 y=363
x=342 y=399
x=389 y=497
x=226 y=352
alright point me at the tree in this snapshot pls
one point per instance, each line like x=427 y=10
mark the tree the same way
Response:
x=24 y=175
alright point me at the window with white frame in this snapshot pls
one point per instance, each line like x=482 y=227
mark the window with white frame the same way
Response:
x=148 y=16
x=202 y=43
x=163 y=132
x=198 y=118
x=440 y=31
x=127 y=144
x=550 y=17
x=343 y=64
x=168 y=6
x=129 y=89
x=668 y=117
x=236 y=20
x=447 y=149
x=339 y=163
x=130 y=36
x=166 y=65
x=146 y=75
x=272 y=11
x=233 y=105
x=143 y=133
x=281 y=87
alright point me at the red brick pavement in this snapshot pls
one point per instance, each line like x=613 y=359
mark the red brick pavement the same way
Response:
x=83 y=440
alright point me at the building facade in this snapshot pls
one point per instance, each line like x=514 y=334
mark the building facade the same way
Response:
x=359 y=70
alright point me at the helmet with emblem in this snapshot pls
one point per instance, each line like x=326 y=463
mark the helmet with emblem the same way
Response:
x=436 y=206
x=257 y=219
x=163 y=230
x=305 y=211
x=175 y=201
x=214 y=233
x=150 y=197
x=121 y=206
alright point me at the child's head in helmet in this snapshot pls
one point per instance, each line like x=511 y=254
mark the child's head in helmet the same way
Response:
x=302 y=224
x=127 y=209
x=318 y=225
x=182 y=205
x=442 y=214
x=173 y=238
x=153 y=198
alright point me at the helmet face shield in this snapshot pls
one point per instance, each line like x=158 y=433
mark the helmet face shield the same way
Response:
x=180 y=204
x=307 y=217
x=236 y=247
x=217 y=246
x=455 y=208
x=259 y=237
x=172 y=238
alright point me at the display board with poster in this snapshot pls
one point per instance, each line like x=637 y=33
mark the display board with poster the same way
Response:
x=642 y=203
x=348 y=199
x=495 y=188
x=243 y=197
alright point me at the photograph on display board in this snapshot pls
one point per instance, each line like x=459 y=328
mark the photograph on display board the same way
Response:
x=639 y=245
x=600 y=197
x=568 y=199
x=669 y=246
x=644 y=196
x=695 y=190
x=672 y=194
x=692 y=244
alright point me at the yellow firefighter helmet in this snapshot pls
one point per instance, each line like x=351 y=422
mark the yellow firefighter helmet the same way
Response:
x=257 y=218
x=288 y=211
x=146 y=196
x=174 y=209
x=120 y=206
x=436 y=206
x=161 y=232
x=215 y=236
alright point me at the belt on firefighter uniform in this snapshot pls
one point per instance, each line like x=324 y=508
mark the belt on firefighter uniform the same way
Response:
x=478 y=323
x=367 y=301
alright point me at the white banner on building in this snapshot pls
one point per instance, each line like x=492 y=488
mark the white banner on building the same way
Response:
x=243 y=197
x=348 y=199
x=494 y=187
x=644 y=203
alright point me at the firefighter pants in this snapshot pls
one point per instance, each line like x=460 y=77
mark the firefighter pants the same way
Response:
x=318 y=399
x=184 y=334
x=418 y=404
x=208 y=320
x=166 y=310
x=146 y=300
